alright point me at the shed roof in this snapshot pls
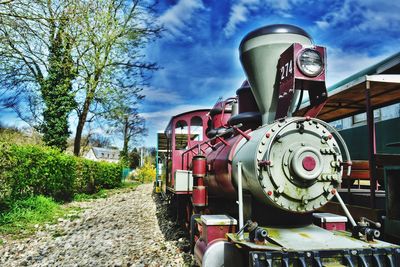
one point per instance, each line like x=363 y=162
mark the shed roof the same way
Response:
x=347 y=97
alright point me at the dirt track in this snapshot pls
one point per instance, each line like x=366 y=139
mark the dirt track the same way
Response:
x=122 y=230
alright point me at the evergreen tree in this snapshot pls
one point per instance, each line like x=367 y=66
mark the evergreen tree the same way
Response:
x=56 y=89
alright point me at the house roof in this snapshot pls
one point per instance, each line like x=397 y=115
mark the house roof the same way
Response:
x=106 y=153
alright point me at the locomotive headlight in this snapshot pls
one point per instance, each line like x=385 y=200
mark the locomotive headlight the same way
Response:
x=310 y=62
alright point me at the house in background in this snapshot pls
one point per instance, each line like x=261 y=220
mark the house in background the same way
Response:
x=103 y=154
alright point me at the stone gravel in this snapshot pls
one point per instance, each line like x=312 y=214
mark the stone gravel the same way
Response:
x=121 y=230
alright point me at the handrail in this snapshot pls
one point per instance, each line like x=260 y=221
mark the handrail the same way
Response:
x=224 y=103
x=207 y=142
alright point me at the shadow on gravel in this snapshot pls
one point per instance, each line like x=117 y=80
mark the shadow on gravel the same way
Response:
x=171 y=230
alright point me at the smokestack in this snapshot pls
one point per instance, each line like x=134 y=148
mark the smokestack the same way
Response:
x=259 y=54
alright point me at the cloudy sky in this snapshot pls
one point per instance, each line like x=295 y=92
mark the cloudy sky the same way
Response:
x=199 y=49
x=198 y=52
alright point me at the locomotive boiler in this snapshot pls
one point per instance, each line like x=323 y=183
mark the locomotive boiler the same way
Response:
x=249 y=189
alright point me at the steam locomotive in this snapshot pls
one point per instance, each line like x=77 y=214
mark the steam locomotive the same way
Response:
x=248 y=175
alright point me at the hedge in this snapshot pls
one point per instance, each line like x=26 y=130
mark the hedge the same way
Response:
x=30 y=170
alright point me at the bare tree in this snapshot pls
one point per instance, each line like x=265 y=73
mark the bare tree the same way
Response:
x=98 y=140
x=109 y=52
x=133 y=127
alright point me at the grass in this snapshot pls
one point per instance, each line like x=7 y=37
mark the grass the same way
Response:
x=104 y=193
x=130 y=184
x=24 y=216
x=85 y=197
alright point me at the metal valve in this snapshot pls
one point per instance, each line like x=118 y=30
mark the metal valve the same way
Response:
x=256 y=233
x=364 y=227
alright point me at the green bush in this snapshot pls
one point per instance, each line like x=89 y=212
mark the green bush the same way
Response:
x=31 y=170
x=146 y=173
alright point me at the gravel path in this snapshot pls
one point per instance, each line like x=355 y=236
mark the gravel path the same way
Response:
x=121 y=230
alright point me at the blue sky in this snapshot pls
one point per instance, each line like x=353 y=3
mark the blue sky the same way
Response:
x=198 y=51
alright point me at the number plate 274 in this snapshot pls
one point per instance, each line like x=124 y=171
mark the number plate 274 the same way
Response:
x=286 y=70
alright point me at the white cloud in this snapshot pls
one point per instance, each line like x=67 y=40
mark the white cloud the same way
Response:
x=168 y=113
x=364 y=15
x=336 y=16
x=241 y=11
x=158 y=120
x=322 y=24
x=161 y=95
x=239 y=14
x=383 y=19
x=342 y=64
x=178 y=17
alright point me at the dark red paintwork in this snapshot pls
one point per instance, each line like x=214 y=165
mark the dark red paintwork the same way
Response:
x=219 y=163
x=334 y=226
x=220 y=120
x=199 y=167
x=213 y=232
x=199 y=196
x=220 y=115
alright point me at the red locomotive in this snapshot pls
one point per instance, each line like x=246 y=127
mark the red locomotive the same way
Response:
x=246 y=176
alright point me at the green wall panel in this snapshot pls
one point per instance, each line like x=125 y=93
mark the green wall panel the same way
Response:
x=387 y=131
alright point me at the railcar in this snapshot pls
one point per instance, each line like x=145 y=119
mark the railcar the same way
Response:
x=247 y=177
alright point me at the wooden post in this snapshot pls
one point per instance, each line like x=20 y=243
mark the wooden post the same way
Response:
x=371 y=143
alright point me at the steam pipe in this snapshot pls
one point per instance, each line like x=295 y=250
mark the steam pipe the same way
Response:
x=240 y=198
x=229 y=130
